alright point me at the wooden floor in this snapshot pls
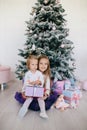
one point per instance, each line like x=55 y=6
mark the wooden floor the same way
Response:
x=71 y=119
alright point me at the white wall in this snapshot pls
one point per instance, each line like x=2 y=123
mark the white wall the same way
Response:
x=76 y=11
x=14 y=13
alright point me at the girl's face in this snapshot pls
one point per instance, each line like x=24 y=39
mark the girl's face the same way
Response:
x=33 y=65
x=43 y=64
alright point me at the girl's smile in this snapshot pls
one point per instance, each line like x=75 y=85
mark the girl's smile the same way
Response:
x=43 y=64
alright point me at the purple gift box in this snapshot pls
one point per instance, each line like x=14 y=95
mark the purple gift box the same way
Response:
x=34 y=91
x=58 y=87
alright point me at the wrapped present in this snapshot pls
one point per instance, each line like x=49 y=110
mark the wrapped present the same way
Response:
x=67 y=84
x=71 y=96
x=58 y=87
x=72 y=93
x=79 y=93
x=73 y=81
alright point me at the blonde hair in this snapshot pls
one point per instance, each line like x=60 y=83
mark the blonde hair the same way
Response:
x=47 y=71
x=30 y=58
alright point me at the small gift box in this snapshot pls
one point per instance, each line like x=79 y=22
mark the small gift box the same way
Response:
x=71 y=96
x=79 y=93
x=58 y=87
x=70 y=85
x=67 y=84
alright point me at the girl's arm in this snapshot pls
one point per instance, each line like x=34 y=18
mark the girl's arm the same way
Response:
x=26 y=78
x=40 y=80
x=47 y=86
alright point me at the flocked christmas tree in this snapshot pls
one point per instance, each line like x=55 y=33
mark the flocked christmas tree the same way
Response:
x=46 y=34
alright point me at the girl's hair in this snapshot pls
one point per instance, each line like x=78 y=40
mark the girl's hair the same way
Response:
x=47 y=72
x=30 y=58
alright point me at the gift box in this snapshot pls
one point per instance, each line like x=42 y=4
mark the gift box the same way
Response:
x=72 y=96
x=34 y=91
x=79 y=93
x=73 y=81
x=58 y=87
x=67 y=84
x=72 y=93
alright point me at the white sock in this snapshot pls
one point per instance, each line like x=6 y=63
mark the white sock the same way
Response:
x=22 y=111
x=43 y=115
x=42 y=108
x=24 y=108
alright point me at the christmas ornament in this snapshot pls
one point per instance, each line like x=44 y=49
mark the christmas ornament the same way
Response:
x=45 y=1
x=73 y=64
x=57 y=1
x=31 y=31
x=62 y=46
x=54 y=28
x=34 y=14
x=42 y=9
x=40 y=38
x=33 y=47
x=35 y=35
x=33 y=10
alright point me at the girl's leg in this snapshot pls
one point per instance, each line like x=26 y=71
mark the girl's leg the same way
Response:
x=34 y=105
x=18 y=96
x=42 y=108
x=48 y=102
x=24 y=108
x=51 y=100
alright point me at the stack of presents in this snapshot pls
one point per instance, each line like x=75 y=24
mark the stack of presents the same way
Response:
x=71 y=91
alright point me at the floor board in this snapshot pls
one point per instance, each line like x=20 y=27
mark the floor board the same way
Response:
x=71 y=119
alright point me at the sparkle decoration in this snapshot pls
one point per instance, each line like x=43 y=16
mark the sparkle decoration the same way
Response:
x=33 y=47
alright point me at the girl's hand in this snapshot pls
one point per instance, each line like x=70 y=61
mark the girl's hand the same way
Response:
x=45 y=96
x=23 y=95
x=38 y=82
x=30 y=82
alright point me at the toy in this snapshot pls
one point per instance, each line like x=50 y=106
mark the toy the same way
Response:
x=61 y=104
x=73 y=105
